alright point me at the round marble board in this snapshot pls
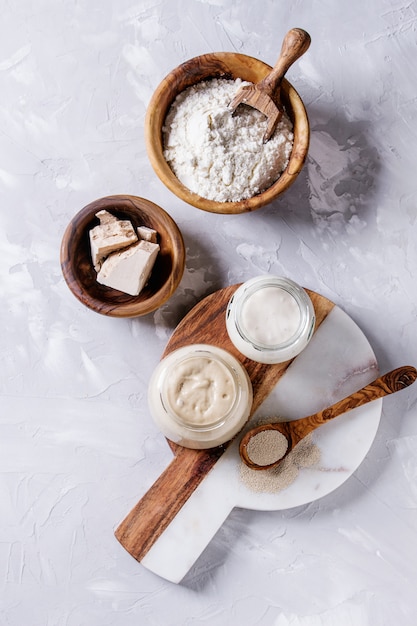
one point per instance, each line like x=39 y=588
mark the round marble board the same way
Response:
x=176 y=518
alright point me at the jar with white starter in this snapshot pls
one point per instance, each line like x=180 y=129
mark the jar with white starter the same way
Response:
x=270 y=319
x=200 y=396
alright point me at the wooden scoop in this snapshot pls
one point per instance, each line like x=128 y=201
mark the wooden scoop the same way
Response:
x=296 y=430
x=265 y=95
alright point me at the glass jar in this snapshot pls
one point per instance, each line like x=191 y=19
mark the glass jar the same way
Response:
x=200 y=396
x=270 y=319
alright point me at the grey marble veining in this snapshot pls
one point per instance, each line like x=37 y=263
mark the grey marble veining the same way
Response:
x=77 y=445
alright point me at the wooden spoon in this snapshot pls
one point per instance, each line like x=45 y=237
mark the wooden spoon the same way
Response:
x=296 y=430
x=265 y=95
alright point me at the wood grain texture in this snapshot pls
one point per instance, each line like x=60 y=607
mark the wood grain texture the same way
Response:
x=79 y=272
x=265 y=96
x=205 y=323
x=222 y=65
x=294 y=431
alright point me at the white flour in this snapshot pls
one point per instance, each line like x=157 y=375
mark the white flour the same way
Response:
x=219 y=156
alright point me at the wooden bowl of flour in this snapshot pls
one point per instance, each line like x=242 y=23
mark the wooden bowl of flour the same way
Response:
x=222 y=65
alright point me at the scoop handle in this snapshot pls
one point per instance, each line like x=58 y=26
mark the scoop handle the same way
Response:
x=296 y=42
x=390 y=382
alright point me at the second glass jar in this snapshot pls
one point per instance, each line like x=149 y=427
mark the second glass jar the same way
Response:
x=270 y=319
x=200 y=396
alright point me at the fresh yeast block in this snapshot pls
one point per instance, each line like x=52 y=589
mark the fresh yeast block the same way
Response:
x=110 y=235
x=128 y=270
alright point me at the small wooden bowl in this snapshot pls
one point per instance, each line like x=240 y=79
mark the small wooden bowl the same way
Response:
x=79 y=272
x=222 y=65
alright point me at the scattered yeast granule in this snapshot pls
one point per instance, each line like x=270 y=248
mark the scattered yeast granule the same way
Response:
x=305 y=454
x=267 y=447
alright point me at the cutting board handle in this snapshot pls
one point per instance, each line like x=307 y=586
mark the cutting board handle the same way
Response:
x=173 y=522
x=151 y=516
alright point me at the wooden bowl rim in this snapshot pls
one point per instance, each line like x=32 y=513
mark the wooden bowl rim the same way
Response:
x=134 y=306
x=155 y=115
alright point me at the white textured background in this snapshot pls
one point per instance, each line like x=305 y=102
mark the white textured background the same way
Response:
x=77 y=446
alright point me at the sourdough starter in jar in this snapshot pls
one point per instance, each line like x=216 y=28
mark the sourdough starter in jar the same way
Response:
x=200 y=396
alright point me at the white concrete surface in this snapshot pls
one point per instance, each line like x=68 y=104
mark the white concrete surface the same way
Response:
x=77 y=445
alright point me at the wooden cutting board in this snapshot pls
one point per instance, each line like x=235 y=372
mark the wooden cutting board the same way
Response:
x=156 y=510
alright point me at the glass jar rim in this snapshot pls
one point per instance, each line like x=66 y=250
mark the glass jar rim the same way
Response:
x=247 y=289
x=174 y=360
